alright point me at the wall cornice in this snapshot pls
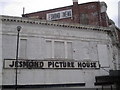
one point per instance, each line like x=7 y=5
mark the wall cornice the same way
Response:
x=53 y=23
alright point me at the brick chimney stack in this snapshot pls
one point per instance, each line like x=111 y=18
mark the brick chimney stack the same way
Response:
x=75 y=11
x=75 y=2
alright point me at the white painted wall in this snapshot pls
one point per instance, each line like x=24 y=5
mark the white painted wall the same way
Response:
x=85 y=45
x=0 y=53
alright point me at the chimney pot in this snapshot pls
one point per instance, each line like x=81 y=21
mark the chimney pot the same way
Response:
x=75 y=0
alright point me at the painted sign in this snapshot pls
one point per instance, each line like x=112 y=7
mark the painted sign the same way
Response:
x=59 y=15
x=51 y=64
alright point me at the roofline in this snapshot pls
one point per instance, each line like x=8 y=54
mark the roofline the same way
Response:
x=61 y=7
x=48 y=10
x=53 y=23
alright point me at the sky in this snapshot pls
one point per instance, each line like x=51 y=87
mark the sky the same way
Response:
x=15 y=7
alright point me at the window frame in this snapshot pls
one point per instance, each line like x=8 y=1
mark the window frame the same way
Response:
x=65 y=47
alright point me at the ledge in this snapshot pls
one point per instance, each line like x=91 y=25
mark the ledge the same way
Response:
x=44 y=85
x=53 y=23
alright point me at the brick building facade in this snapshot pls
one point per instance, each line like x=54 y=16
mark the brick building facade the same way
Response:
x=76 y=13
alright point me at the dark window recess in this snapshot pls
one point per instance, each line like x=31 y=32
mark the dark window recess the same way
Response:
x=103 y=16
x=84 y=19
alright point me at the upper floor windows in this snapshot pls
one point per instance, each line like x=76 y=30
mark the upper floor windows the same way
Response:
x=59 y=49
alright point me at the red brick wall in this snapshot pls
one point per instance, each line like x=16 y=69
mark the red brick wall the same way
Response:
x=42 y=14
x=87 y=13
x=92 y=11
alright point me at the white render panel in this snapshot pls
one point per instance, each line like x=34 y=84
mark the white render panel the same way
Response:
x=48 y=49
x=34 y=48
x=23 y=48
x=93 y=51
x=78 y=50
x=69 y=51
x=59 y=49
x=86 y=50
x=103 y=55
x=9 y=46
x=39 y=76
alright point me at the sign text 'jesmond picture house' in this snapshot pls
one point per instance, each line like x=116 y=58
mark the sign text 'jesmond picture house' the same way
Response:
x=50 y=64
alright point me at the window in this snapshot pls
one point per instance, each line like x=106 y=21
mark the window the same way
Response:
x=23 y=48
x=58 y=49
x=49 y=49
x=84 y=19
x=69 y=50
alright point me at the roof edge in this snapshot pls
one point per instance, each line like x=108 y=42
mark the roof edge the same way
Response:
x=52 y=23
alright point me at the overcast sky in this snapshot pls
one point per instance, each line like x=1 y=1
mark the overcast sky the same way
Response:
x=15 y=7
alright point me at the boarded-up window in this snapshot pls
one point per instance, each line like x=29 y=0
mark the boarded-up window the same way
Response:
x=103 y=55
x=86 y=53
x=69 y=50
x=49 y=49
x=23 y=48
x=59 y=49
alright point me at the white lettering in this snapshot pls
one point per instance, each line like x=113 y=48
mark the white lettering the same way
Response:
x=59 y=15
